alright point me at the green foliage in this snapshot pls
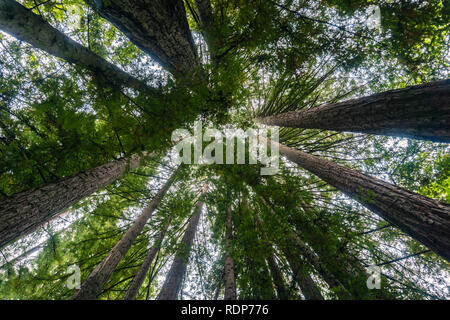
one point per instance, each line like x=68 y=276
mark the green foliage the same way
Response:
x=266 y=57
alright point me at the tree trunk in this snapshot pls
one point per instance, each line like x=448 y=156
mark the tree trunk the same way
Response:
x=419 y=112
x=208 y=26
x=158 y=27
x=277 y=277
x=345 y=267
x=23 y=24
x=422 y=218
x=139 y=277
x=293 y=246
x=335 y=285
x=306 y=284
x=172 y=284
x=94 y=283
x=304 y=280
x=27 y=211
x=230 y=281
x=219 y=284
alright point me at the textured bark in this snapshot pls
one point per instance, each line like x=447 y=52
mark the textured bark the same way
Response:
x=94 y=283
x=230 y=280
x=23 y=24
x=419 y=112
x=139 y=277
x=319 y=266
x=422 y=218
x=27 y=211
x=275 y=272
x=219 y=284
x=293 y=246
x=345 y=267
x=172 y=284
x=158 y=27
x=277 y=277
x=205 y=13
x=304 y=280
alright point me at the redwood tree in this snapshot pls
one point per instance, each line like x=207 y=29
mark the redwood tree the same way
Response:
x=422 y=218
x=27 y=211
x=418 y=112
x=94 y=283
x=172 y=284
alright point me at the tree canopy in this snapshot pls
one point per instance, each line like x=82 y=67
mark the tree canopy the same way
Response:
x=93 y=90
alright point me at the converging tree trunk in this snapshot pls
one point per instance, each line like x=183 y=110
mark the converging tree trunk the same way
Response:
x=23 y=24
x=422 y=218
x=174 y=278
x=419 y=112
x=275 y=272
x=94 y=283
x=230 y=281
x=344 y=266
x=208 y=26
x=308 y=287
x=301 y=248
x=158 y=27
x=293 y=246
x=219 y=284
x=139 y=277
x=277 y=277
x=28 y=211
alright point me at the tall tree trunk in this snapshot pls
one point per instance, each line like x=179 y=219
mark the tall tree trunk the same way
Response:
x=219 y=284
x=158 y=27
x=23 y=24
x=27 y=211
x=422 y=218
x=139 y=277
x=294 y=245
x=174 y=278
x=277 y=277
x=300 y=247
x=305 y=282
x=345 y=267
x=230 y=281
x=208 y=26
x=419 y=112
x=94 y=283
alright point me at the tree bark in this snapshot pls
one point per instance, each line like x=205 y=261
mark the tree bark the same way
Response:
x=293 y=246
x=27 y=211
x=345 y=267
x=158 y=27
x=422 y=218
x=172 y=284
x=139 y=277
x=208 y=27
x=23 y=24
x=319 y=266
x=219 y=284
x=304 y=280
x=230 y=280
x=277 y=277
x=418 y=112
x=94 y=283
